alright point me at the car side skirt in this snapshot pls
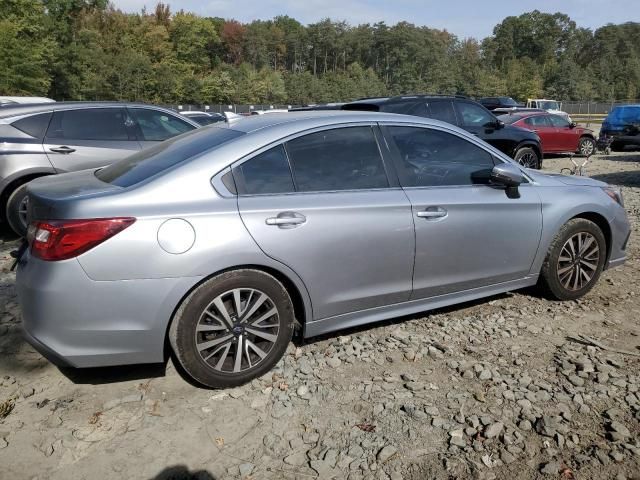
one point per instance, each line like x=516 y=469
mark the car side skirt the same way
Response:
x=354 y=319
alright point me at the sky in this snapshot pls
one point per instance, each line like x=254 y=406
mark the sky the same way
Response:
x=464 y=18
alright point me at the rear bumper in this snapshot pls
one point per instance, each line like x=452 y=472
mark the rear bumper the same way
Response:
x=75 y=321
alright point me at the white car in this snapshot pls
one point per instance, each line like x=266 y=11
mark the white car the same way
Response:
x=14 y=100
x=552 y=106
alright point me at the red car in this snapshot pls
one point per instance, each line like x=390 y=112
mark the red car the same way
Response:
x=556 y=133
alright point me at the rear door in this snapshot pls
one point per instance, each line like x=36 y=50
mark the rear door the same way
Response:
x=89 y=138
x=153 y=126
x=469 y=234
x=545 y=130
x=323 y=204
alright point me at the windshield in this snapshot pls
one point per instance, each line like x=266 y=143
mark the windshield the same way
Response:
x=508 y=102
x=509 y=119
x=548 y=105
x=150 y=162
x=626 y=115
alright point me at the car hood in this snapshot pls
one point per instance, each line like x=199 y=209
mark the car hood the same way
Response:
x=560 y=179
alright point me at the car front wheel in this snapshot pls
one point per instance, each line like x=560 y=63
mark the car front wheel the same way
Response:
x=527 y=157
x=16 y=213
x=575 y=260
x=232 y=328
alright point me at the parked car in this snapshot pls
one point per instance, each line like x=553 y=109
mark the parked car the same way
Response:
x=272 y=110
x=556 y=133
x=203 y=118
x=6 y=101
x=621 y=128
x=45 y=139
x=550 y=106
x=491 y=103
x=221 y=240
x=519 y=143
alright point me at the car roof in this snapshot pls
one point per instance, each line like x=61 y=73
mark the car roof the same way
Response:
x=26 y=109
x=404 y=98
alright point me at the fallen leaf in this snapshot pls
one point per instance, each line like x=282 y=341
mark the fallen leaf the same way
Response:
x=94 y=418
x=220 y=441
x=366 y=427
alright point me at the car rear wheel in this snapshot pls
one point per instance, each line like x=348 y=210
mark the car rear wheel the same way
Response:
x=587 y=146
x=527 y=157
x=16 y=212
x=575 y=260
x=232 y=328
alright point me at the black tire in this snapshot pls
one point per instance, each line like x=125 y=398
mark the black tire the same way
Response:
x=552 y=277
x=527 y=157
x=184 y=337
x=587 y=146
x=14 y=211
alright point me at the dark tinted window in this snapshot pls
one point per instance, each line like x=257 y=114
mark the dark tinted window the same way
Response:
x=443 y=110
x=35 y=125
x=537 y=121
x=558 y=121
x=267 y=172
x=205 y=119
x=509 y=119
x=473 y=115
x=434 y=158
x=419 y=110
x=89 y=124
x=157 y=126
x=149 y=162
x=338 y=159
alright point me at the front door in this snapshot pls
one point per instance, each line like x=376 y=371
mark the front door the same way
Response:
x=469 y=234
x=322 y=204
x=566 y=136
x=545 y=130
x=89 y=138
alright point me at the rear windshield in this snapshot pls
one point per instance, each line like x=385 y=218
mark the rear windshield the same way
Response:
x=629 y=114
x=508 y=101
x=509 y=119
x=150 y=162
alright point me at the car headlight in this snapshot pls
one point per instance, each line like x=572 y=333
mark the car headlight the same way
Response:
x=615 y=194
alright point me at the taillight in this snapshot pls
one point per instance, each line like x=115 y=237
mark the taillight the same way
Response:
x=64 y=239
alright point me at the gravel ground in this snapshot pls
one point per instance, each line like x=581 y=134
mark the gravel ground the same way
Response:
x=490 y=389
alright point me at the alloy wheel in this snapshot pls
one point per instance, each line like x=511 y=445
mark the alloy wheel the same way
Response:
x=578 y=261
x=23 y=207
x=528 y=160
x=237 y=330
x=587 y=148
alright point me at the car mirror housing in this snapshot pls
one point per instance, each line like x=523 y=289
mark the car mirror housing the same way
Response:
x=507 y=174
x=573 y=125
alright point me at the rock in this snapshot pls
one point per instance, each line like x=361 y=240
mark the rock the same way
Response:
x=387 y=452
x=324 y=469
x=575 y=380
x=493 y=430
x=548 y=425
x=622 y=431
x=26 y=392
x=507 y=457
x=296 y=459
x=550 y=468
x=485 y=374
x=524 y=425
x=245 y=469
x=3 y=443
x=617 y=456
x=334 y=362
x=302 y=390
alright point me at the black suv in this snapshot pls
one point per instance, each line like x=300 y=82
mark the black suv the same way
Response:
x=520 y=144
x=491 y=103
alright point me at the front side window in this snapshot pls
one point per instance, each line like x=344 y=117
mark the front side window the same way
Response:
x=157 y=126
x=432 y=158
x=474 y=115
x=267 y=172
x=89 y=124
x=558 y=121
x=339 y=159
x=443 y=110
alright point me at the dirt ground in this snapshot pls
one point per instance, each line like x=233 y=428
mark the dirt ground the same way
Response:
x=489 y=390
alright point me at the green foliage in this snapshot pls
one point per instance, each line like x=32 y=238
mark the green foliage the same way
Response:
x=87 y=49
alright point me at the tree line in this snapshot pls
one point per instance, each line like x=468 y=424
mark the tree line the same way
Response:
x=89 y=50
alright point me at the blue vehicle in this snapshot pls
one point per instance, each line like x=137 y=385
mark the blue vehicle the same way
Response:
x=621 y=128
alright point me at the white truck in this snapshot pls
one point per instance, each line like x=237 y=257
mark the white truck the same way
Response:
x=551 y=106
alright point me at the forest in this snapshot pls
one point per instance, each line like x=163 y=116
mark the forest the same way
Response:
x=90 y=50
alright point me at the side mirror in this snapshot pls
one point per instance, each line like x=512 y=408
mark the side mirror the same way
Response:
x=507 y=174
x=499 y=124
x=573 y=125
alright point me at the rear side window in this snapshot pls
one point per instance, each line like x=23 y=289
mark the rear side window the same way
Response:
x=338 y=159
x=157 y=126
x=432 y=158
x=161 y=157
x=35 y=125
x=267 y=172
x=443 y=111
x=89 y=124
x=537 y=121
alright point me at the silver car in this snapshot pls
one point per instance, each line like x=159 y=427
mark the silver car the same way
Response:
x=220 y=242
x=50 y=138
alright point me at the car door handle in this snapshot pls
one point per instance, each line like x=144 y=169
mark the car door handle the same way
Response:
x=286 y=219
x=431 y=212
x=63 y=149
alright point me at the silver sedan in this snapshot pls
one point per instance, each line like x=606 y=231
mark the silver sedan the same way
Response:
x=221 y=242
